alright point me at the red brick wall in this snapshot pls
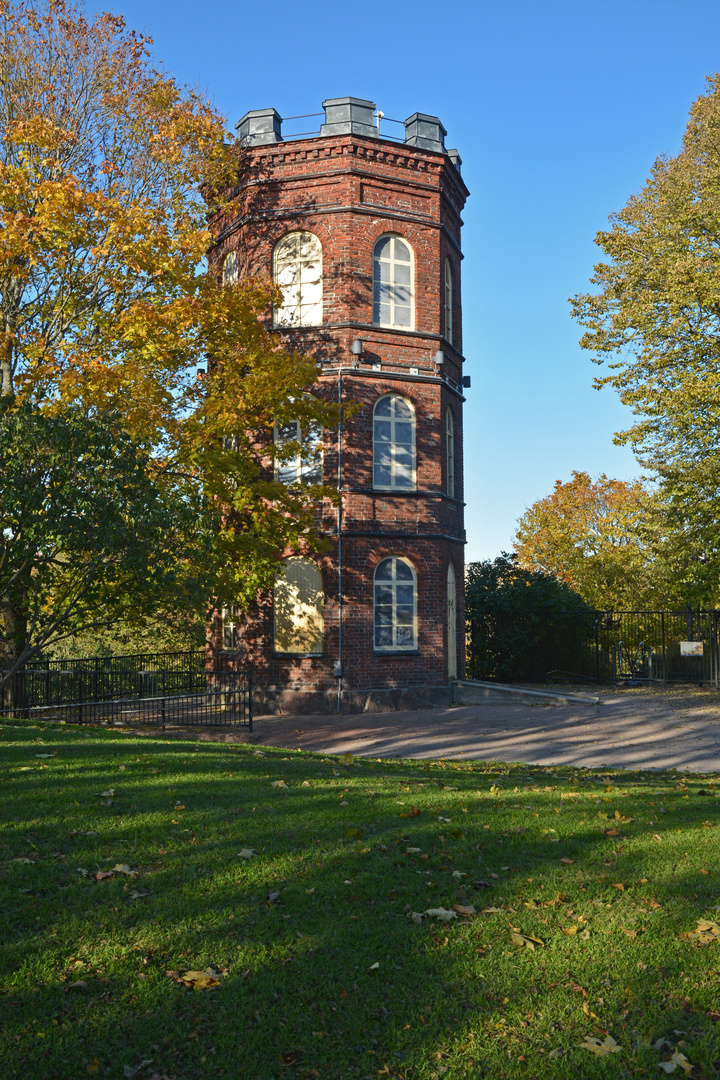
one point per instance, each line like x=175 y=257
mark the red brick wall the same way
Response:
x=348 y=191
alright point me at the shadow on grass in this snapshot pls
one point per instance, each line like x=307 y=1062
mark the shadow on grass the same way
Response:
x=303 y=996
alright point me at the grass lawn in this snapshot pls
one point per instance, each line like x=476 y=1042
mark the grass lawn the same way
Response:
x=301 y=881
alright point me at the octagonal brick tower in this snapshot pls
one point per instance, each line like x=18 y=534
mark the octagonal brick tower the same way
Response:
x=362 y=233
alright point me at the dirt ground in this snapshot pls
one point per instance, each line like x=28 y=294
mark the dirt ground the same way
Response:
x=676 y=728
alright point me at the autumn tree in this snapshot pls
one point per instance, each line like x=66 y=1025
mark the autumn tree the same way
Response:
x=595 y=536
x=108 y=171
x=655 y=318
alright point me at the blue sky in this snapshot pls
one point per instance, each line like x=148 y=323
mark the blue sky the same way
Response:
x=558 y=109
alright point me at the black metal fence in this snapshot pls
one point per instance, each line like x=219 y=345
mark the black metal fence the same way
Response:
x=660 y=647
x=168 y=689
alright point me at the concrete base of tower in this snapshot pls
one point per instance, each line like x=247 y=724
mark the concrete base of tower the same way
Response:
x=298 y=701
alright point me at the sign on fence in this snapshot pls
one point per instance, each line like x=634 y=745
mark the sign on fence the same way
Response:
x=691 y=648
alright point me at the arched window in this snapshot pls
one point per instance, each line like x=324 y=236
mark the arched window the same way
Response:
x=450 y=452
x=392 y=283
x=297 y=272
x=448 y=302
x=302 y=461
x=393 y=443
x=395 y=604
x=298 y=604
x=230 y=268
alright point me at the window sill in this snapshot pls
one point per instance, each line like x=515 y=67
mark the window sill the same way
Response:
x=298 y=655
x=393 y=654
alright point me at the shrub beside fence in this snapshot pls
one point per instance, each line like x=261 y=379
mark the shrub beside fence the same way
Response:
x=596 y=646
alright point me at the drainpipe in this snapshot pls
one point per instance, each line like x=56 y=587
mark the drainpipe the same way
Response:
x=338 y=666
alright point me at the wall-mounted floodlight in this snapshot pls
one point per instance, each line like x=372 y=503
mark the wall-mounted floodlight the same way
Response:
x=356 y=347
x=439 y=357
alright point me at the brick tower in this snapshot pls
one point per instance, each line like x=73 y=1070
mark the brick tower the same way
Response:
x=361 y=232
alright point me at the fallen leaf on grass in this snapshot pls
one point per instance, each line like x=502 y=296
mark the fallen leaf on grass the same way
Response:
x=130 y=1071
x=492 y=910
x=412 y=850
x=414 y=812
x=619 y=885
x=247 y=853
x=441 y=913
x=704 y=933
x=137 y=894
x=656 y=837
x=199 y=980
x=464 y=909
x=27 y=862
x=278 y=783
x=103 y=875
x=676 y=1060
x=601 y=1048
x=458 y=874
x=375 y=966
x=46 y=755
x=106 y=794
x=123 y=868
x=527 y=940
x=273 y=896
x=346 y=759
x=79 y=984
x=566 y=860
x=417 y=916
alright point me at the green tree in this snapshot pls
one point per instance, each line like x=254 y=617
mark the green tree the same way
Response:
x=521 y=623
x=656 y=316
x=108 y=172
x=597 y=538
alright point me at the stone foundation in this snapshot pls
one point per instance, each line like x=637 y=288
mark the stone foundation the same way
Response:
x=276 y=701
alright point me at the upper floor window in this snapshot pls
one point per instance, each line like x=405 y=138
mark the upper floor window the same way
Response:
x=450 y=452
x=448 y=302
x=230 y=268
x=395 y=605
x=301 y=463
x=298 y=606
x=297 y=272
x=392 y=283
x=393 y=443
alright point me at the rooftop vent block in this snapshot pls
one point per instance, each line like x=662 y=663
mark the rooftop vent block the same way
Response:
x=349 y=116
x=259 y=127
x=426 y=132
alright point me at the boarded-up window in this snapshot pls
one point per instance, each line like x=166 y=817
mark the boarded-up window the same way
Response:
x=299 y=608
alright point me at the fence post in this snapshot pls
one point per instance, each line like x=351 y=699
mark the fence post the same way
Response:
x=80 y=696
x=250 y=703
x=162 y=698
x=662 y=614
x=597 y=649
x=614 y=655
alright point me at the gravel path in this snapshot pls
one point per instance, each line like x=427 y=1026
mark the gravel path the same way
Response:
x=634 y=730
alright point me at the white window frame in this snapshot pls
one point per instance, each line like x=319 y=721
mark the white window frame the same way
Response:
x=448 y=302
x=290 y=313
x=308 y=455
x=393 y=485
x=450 y=452
x=316 y=610
x=230 y=268
x=229 y=629
x=376 y=283
x=392 y=584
